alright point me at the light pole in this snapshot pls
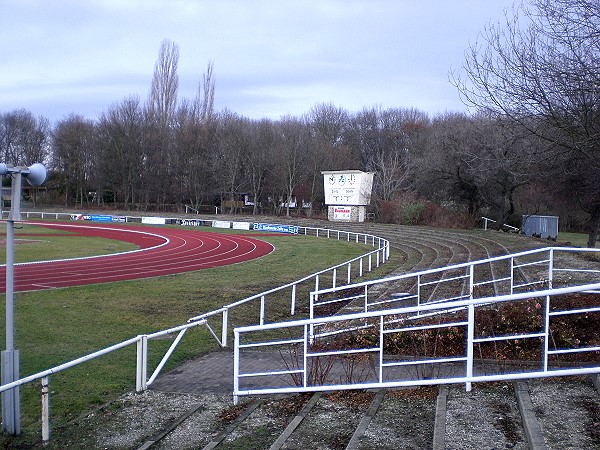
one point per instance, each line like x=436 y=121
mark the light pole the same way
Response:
x=11 y=411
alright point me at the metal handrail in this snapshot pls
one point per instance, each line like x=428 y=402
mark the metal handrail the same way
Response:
x=379 y=319
x=381 y=255
x=466 y=273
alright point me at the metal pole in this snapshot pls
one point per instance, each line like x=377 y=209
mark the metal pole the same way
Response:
x=11 y=420
x=45 y=411
x=10 y=252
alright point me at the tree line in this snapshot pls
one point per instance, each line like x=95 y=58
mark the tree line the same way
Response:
x=530 y=146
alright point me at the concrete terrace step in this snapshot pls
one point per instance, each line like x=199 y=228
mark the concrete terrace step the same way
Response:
x=538 y=414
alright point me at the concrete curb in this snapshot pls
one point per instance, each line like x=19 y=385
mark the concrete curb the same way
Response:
x=295 y=422
x=366 y=420
x=221 y=437
x=596 y=382
x=533 y=430
x=439 y=427
x=156 y=438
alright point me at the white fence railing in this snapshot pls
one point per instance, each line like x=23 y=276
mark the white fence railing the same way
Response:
x=487 y=220
x=550 y=267
x=347 y=271
x=435 y=343
x=142 y=382
x=352 y=269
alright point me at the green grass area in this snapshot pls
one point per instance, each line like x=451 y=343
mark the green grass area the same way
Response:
x=574 y=239
x=55 y=326
x=34 y=243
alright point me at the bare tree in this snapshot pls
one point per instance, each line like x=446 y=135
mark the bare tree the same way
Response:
x=160 y=122
x=206 y=95
x=540 y=69
x=123 y=169
x=294 y=141
x=442 y=173
x=258 y=159
x=392 y=174
x=24 y=139
x=233 y=143
x=73 y=156
x=165 y=83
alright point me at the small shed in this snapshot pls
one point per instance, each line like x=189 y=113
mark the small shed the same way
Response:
x=544 y=227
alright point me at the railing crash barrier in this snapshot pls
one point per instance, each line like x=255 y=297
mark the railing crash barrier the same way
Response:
x=460 y=341
x=346 y=272
x=549 y=267
x=142 y=382
x=487 y=220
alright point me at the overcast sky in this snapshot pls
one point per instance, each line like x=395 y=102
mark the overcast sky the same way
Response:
x=271 y=58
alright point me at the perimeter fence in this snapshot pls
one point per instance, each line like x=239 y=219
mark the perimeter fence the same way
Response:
x=526 y=315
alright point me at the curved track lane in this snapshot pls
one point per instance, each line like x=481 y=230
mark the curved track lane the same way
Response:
x=163 y=251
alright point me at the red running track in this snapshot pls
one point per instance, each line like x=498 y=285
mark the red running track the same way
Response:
x=163 y=251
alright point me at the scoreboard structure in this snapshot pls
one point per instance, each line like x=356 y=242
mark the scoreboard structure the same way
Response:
x=347 y=194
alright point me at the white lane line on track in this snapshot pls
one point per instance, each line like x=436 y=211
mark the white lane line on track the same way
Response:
x=82 y=258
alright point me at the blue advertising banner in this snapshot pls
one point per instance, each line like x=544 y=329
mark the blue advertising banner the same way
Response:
x=290 y=229
x=92 y=217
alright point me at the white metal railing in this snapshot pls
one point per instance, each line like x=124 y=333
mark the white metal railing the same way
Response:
x=501 y=275
x=486 y=220
x=308 y=363
x=356 y=266
x=142 y=382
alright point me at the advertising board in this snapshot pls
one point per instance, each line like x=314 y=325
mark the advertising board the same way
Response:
x=290 y=229
x=342 y=213
x=221 y=224
x=154 y=220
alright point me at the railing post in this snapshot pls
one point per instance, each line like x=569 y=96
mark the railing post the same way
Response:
x=380 y=349
x=333 y=278
x=142 y=364
x=305 y=355
x=418 y=288
x=512 y=275
x=262 y=309
x=348 y=279
x=224 y=327
x=550 y=268
x=45 y=411
x=471 y=280
x=293 y=302
x=470 y=336
x=360 y=267
x=366 y=299
x=546 y=333
x=236 y=366
x=370 y=258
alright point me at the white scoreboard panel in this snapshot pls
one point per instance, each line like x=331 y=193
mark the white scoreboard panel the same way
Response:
x=349 y=187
